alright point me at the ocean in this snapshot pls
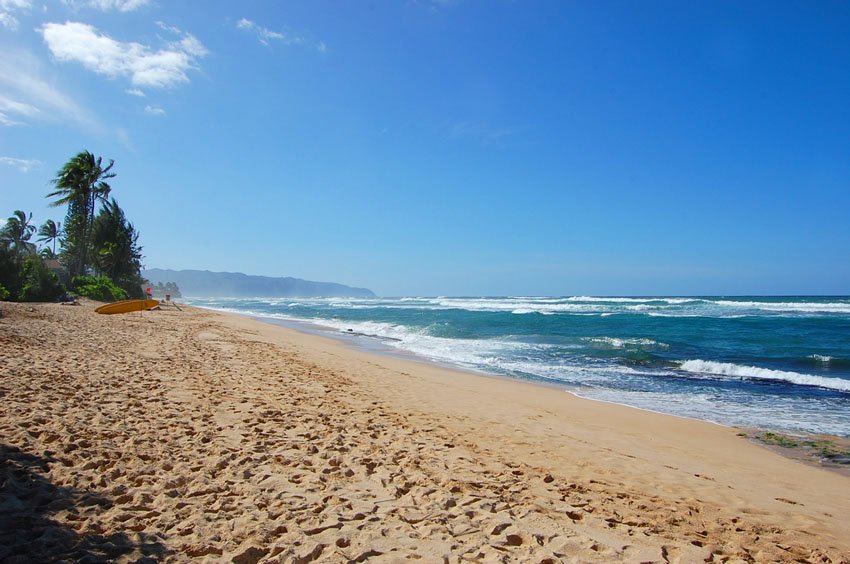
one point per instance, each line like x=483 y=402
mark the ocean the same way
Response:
x=776 y=363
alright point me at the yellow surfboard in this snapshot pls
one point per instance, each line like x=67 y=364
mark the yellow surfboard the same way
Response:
x=127 y=306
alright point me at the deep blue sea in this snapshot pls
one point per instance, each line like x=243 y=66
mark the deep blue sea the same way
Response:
x=773 y=363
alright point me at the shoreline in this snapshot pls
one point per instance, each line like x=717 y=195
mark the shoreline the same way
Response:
x=340 y=338
x=377 y=346
x=209 y=434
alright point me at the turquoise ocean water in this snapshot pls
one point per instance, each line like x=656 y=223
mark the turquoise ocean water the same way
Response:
x=774 y=363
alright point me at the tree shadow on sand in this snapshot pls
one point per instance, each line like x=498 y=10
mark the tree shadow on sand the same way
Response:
x=28 y=533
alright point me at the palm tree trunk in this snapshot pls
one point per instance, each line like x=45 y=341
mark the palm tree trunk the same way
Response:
x=87 y=225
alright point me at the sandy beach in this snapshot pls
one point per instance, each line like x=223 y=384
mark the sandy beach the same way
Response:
x=191 y=435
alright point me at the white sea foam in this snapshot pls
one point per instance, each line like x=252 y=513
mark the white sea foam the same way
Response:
x=615 y=300
x=619 y=343
x=512 y=305
x=754 y=372
x=492 y=355
x=547 y=306
x=769 y=412
x=790 y=307
x=470 y=353
x=824 y=359
x=574 y=305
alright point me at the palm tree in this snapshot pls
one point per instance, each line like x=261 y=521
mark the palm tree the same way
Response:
x=18 y=232
x=81 y=184
x=49 y=232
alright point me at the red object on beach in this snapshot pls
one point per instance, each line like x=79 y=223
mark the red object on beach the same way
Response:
x=149 y=290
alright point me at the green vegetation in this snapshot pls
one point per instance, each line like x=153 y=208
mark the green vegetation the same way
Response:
x=17 y=234
x=98 y=288
x=769 y=438
x=38 y=283
x=50 y=232
x=818 y=448
x=23 y=274
x=117 y=254
x=81 y=185
x=99 y=247
x=826 y=448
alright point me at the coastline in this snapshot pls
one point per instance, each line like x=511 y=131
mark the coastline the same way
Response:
x=375 y=344
x=703 y=359
x=248 y=438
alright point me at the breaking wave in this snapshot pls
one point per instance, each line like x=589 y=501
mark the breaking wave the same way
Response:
x=756 y=373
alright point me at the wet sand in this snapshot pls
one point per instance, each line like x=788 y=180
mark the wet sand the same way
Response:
x=187 y=435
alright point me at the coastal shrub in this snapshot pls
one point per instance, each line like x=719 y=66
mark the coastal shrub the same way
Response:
x=133 y=286
x=10 y=271
x=98 y=288
x=39 y=284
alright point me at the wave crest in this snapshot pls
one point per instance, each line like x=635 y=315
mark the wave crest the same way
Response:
x=757 y=373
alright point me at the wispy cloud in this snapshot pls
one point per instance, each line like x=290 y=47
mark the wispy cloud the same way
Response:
x=8 y=21
x=107 y=5
x=22 y=78
x=23 y=165
x=7 y=10
x=144 y=66
x=170 y=28
x=12 y=110
x=188 y=43
x=154 y=110
x=135 y=92
x=266 y=36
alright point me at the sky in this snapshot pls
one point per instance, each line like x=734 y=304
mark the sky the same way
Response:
x=451 y=147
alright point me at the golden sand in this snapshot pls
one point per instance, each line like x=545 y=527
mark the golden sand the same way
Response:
x=188 y=435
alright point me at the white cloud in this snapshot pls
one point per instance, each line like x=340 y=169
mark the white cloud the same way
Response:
x=266 y=36
x=164 y=26
x=22 y=78
x=191 y=45
x=84 y=44
x=108 y=5
x=135 y=92
x=10 y=108
x=154 y=110
x=7 y=5
x=8 y=20
x=23 y=165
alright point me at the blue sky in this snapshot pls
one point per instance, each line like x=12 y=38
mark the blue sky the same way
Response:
x=452 y=147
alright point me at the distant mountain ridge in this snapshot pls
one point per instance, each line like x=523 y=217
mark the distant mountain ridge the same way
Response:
x=237 y=285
